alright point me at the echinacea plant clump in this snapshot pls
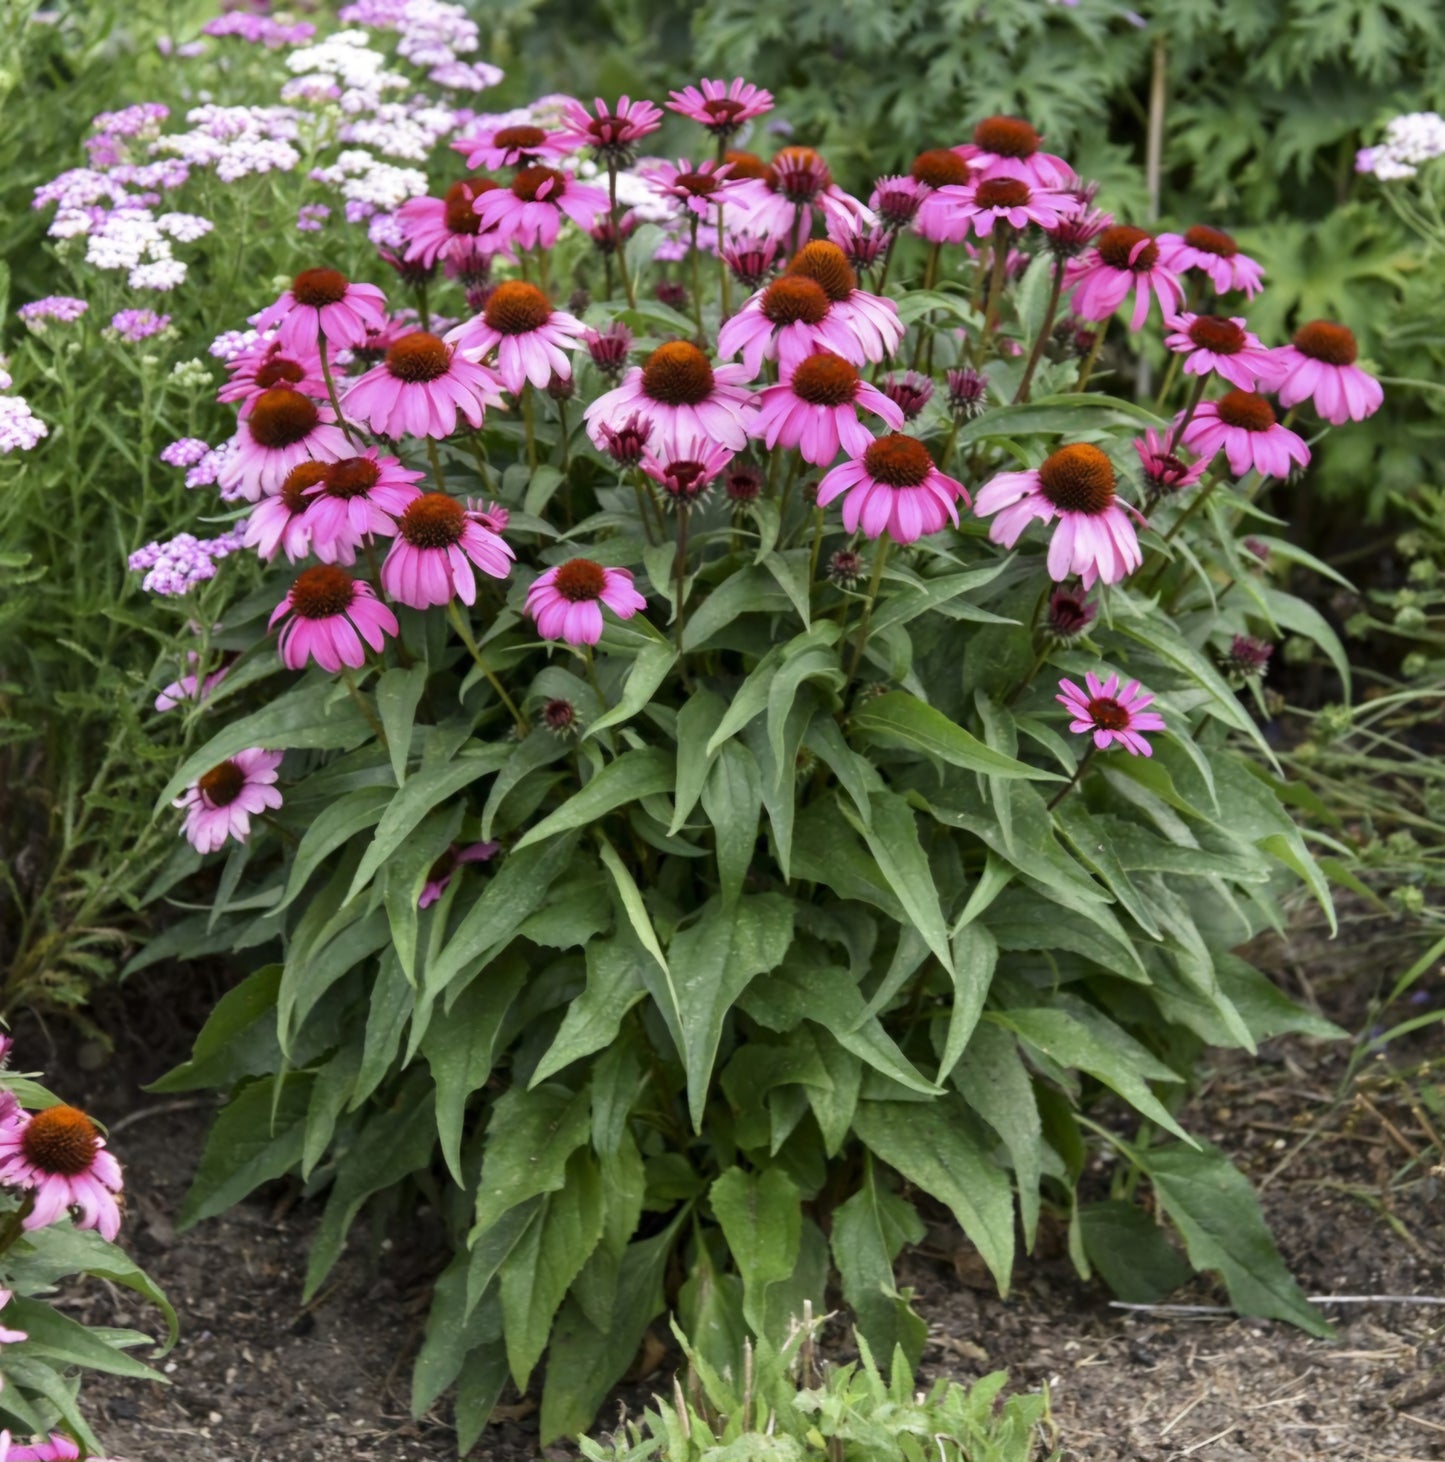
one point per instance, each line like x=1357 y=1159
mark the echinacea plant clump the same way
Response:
x=61 y=1191
x=718 y=715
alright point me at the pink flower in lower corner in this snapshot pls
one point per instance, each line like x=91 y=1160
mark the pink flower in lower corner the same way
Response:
x=445 y=866
x=1320 y=362
x=439 y=545
x=325 y=303
x=1076 y=485
x=532 y=340
x=60 y=1157
x=815 y=409
x=8 y=1336
x=419 y=389
x=1244 y=425
x=220 y=803
x=566 y=601
x=1122 y=259
x=894 y=488
x=330 y=615
x=59 y=1448
x=1111 y=714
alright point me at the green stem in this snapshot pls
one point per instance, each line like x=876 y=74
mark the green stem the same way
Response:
x=679 y=567
x=1087 y=369
x=530 y=426
x=1074 y=780
x=1168 y=384
x=642 y=508
x=616 y=215
x=434 y=456
x=696 y=265
x=1056 y=289
x=1196 y=395
x=331 y=390
x=1001 y=235
x=879 y=559
x=464 y=630
x=361 y=704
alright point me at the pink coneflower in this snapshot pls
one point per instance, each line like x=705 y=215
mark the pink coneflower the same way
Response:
x=278 y=522
x=625 y=442
x=531 y=210
x=1076 y=485
x=450 y=229
x=566 y=601
x=896 y=200
x=863 y=244
x=1165 y=471
x=532 y=340
x=60 y=1157
x=785 y=322
x=1245 y=658
x=1004 y=140
x=284 y=428
x=419 y=388
x=703 y=191
x=609 y=348
x=1074 y=232
x=782 y=203
x=893 y=487
x=357 y=497
x=511 y=146
x=750 y=258
x=815 y=409
x=721 y=107
x=1216 y=255
x=264 y=365
x=910 y=390
x=685 y=479
x=1068 y=616
x=1111 y=714
x=1244 y=425
x=1121 y=260
x=440 y=876
x=1008 y=195
x=220 y=803
x=189 y=688
x=331 y=613
x=324 y=303
x=938 y=167
x=1226 y=347
x=967 y=393
x=613 y=135
x=872 y=320
x=438 y=548
x=1320 y=362
x=683 y=395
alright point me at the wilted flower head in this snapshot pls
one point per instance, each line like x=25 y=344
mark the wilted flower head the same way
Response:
x=1069 y=615
x=967 y=393
x=1246 y=657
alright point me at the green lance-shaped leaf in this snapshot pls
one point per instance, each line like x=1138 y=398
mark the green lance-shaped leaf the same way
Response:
x=762 y=1219
x=633 y=776
x=732 y=797
x=398 y=692
x=530 y=1136
x=900 y=719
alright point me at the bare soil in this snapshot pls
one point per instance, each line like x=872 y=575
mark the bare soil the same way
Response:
x=1351 y=1176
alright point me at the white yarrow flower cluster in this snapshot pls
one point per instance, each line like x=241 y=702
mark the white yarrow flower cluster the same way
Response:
x=20 y=428
x=1412 y=139
x=369 y=185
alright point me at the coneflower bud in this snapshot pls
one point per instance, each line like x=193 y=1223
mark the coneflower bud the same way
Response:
x=967 y=393
x=743 y=483
x=560 y=717
x=672 y=294
x=1069 y=616
x=561 y=388
x=910 y=390
x=609 y=348
x=1246 y=657
x=624 y=444
x=846 y=569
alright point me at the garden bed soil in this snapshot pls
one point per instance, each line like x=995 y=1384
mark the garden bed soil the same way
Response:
x=258 y=1377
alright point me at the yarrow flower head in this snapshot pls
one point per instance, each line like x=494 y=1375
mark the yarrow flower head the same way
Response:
x=1110 y=714
x=184 y=452
x=1214 y=254
x=1224 y=346
x=324 y=303
x=20 y=428
x=420 y=388
x=328 y=614
x=722 y=107
x=60 y=1158
x=1244 y=425
x=133 y=326
x=64 y=309
x=566 y=601
x=893 y=487
x=175 y=566
x=1076 y=484
x=532 y=341
x=221 y=802
x=439 y=878
x=439 y=545
x=1319 y=363
x=612 y=134
x=815 y=409
x=1122 y=259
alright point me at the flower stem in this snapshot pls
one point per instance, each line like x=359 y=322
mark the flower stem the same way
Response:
x=617 y=235
x=464 y=630
x=679 y=567
x=331 y=390
x=1190 y=407
x=1001 y=235
x=1087 y=369
x=1056 y=289
x=434 y=456
x=879 y=559
x=530 y=426
x=696 y=265
x=1074 y=780
x=361 y=704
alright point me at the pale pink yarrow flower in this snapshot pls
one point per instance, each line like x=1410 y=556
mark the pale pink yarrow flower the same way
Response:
x=1122 y=259
x=1244 y=425
x=531 y=210
x=531 y=339
x=1094 y=538
x=330 y=615
x=1110 y=714
x=566 y=601
x=438 y=548
x=721 y=107
x=324 y=303
x=284 y=428
x=60 y=1158
x=513 y=145
x=440 y=875
x=1224 y=346
x=357 y=498
x=220 y=803
x=815 y=409
x=999 y=142
x=1216 y=255
x=1320 y=363
x=278 y=522
x=893 y=487
x=787 y=322
x=419 y=389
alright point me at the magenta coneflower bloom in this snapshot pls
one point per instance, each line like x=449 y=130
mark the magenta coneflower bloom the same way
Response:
x=532 y=340
x=440 y=876
x=683 y=395
x=896 y=200
x=1003 y=140
x=1244 y=425
x=1008 y=195
x=278 y=522
x=511 y=146
x=938 y=167
x=1074 y=232
x=1076 y=485
x=613 y=134
x=750 y=257
x=284 y=429
x=531 y=210
x=702 y=191
x=863 y=243
x=626 y=442
x=419 y=388
x=721 y=107
x=449 y=229
x=1111 y=714
x=1216 y=255
x=685 y=479
x=871 y=320
x=190 y=688
x=785 y=322
x=357 y=497
x=438 y=548
x=221 y=802
x=1320 y=363
x=815 y=409
x=1122 y=259
x=1226 y=347
x=1166 y=471
x=256 y=370
x=782 y=203
x=331 y=614
x=60 y=1158
x=910 y=390
x=566 y=601
x=325 y=304
x=609 y=348
x=893 y=487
